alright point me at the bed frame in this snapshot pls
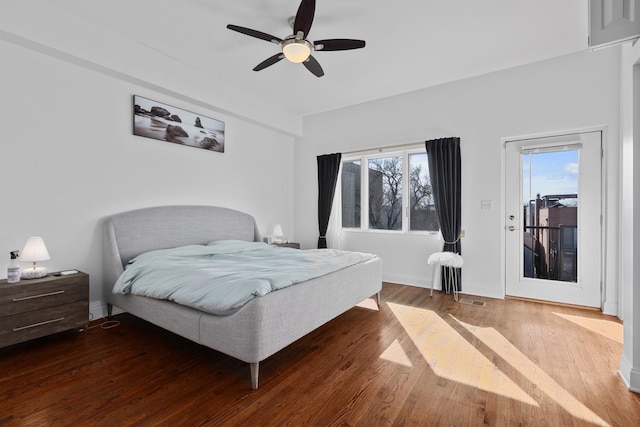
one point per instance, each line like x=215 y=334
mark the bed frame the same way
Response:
x=260 y=328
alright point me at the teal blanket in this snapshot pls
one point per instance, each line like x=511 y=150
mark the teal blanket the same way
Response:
x=221 y=277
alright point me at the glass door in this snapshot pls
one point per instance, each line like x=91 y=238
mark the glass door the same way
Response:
x=553 y=225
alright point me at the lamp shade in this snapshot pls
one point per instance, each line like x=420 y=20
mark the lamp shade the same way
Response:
x=277 y=231
x=34 y=250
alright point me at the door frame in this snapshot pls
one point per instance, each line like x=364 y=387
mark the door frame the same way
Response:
x=603 y=200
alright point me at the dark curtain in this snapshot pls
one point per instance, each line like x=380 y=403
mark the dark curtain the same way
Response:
x=328 y=167
x=444 y=170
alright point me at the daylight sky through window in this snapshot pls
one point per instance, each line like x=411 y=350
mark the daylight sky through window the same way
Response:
x=549 y=173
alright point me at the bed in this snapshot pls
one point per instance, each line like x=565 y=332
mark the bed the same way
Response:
x=262 y=326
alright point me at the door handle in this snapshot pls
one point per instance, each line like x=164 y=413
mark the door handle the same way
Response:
x=512 y=228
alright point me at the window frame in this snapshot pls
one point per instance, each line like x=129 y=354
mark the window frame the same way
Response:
x=364 y=158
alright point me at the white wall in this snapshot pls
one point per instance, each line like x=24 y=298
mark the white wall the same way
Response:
x=45 y=26
x=629 y=216
x=566 y=93
x=69 y=159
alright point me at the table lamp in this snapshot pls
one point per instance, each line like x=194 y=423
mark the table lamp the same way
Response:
x=34 y=250
x=278 y=234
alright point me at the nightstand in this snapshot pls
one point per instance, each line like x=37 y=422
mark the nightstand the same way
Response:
x=288 y=245
x=34 y=308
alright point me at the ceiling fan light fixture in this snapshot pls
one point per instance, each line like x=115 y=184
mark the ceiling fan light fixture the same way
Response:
x=295 y=47
x=296 y=50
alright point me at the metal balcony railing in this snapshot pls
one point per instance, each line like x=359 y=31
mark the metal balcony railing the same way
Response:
x=551 y=252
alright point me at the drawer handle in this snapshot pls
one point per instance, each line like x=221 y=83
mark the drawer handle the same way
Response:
x=39 y=296
x=20 y=328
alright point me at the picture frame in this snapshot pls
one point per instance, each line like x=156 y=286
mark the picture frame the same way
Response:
x=157 y=120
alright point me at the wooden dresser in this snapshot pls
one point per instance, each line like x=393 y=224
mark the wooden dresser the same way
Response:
x=34 y=308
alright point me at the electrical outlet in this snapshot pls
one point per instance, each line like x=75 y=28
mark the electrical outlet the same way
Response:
x=462 y=233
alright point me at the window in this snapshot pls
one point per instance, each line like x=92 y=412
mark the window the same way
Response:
x=350 y=182
x=385 y=193
x=394 y=192
x=422 y=211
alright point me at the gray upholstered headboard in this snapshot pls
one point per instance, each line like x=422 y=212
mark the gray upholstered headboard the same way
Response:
x=128 y=234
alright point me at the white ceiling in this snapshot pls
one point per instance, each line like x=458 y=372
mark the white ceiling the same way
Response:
x=411 y=44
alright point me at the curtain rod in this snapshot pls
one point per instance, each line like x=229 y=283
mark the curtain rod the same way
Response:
x=380 y=149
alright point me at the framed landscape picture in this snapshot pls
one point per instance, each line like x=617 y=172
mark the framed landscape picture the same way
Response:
x=153 y=119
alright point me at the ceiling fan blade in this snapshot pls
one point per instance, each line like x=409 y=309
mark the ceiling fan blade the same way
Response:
x=255 y=33
x=314 y=66
x=268 y=62
x=338 y=44
x=304 y=17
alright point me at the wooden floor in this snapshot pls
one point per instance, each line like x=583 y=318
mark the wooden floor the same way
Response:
x=416 y=361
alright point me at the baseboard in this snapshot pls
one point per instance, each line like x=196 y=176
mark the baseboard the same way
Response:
x=481 y=291
x=400 y=279
x=467 y=289
x=630 y=377
x=98 y=310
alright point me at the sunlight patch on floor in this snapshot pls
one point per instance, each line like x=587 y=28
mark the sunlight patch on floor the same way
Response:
x=538 y=378
x=396 y=354
x=606 y=328
x=451 y=356
x=369 y=303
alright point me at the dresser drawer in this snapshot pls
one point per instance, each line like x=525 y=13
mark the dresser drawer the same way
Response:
x=26 y=326
x=26 y=296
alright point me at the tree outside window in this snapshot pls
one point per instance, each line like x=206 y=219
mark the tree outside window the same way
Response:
x=422 y=212
x=385 y=193
x=390 y=204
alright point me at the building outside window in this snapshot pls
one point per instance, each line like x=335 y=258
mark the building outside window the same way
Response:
x=350 y=183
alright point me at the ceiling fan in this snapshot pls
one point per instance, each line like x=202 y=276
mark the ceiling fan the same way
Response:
x=296 y=48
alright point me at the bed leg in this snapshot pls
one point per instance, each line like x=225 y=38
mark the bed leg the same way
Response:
x=378 y=299
x=254 y=374
x=109 y=310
